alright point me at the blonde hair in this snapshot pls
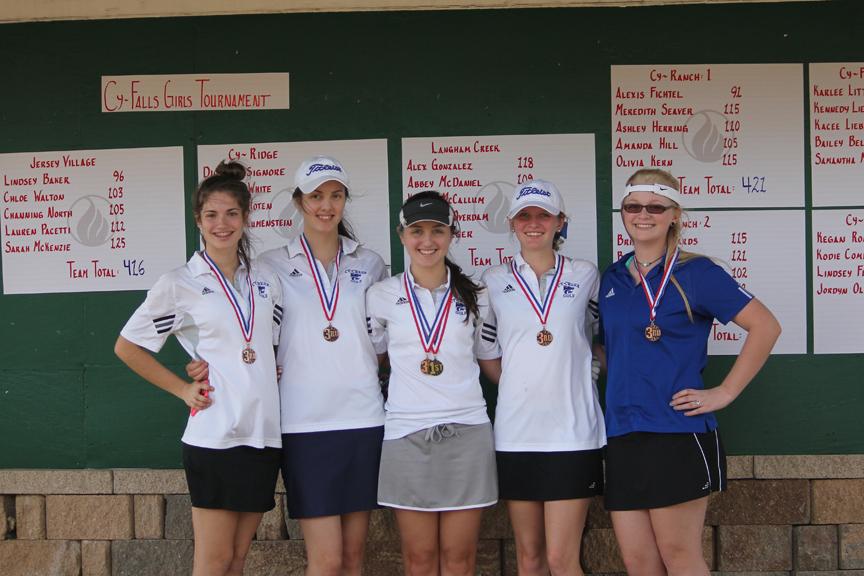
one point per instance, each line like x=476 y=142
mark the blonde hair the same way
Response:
x=673 y=235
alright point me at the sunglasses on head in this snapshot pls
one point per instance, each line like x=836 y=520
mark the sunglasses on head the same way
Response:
x=634 y=208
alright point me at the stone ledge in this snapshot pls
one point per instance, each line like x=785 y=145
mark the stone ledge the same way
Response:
x=145 y=481
x=754 y=548
x=46 y=482
x=32 y=557
x=152 y=557
x=739 y=467
x=760 y=502
x=831 y=466
x=829 y=573
x=89 y=517
x=95 y=558
x=851 y=546
x=30 y=517
x=816 y=547
x=149 y=513
x=838 y=501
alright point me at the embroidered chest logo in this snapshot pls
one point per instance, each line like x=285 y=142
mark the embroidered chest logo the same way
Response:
x=401 y=300
x=508 y=289
x=206 y=291
x=460 y=308
x=356 y=275
x=569 y=289
x=611 y=293
x=263 y=289
x=295 y=273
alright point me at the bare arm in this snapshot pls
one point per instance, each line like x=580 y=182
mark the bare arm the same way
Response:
x=491 y=369
x=762 y=332
x=145 y=365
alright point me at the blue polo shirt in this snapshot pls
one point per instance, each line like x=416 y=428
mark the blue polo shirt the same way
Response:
x=642 y=375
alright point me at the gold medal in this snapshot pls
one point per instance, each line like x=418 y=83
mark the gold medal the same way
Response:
x=331 y=334
x=249 y=355
x=652 y=332
x=431 y=367
x=544 y=337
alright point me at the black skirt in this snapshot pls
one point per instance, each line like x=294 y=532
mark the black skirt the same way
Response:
x=241 y=479
x=652 y=470
x=544 y=476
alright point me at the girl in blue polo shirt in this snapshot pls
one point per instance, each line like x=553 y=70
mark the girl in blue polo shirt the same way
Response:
x=664 y=455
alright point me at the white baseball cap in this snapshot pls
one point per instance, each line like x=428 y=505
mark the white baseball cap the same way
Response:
x=539 y=193
x=315 y=171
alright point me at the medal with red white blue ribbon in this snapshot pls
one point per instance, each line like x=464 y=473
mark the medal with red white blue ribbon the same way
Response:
x=541 y=309
x=652 y=331
x=328 y=301
x=431 y=335
x=247 y=326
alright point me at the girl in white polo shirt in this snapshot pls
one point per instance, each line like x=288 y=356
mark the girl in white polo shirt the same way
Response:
x=226 y=311
x=437 y=463
x=549 y=430
x=332 y=406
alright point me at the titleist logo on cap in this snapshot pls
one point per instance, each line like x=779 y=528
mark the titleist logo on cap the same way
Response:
x=320 y=167
x=532 y=190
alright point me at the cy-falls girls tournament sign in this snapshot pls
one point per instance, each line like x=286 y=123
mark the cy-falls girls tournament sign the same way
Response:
x=479 y=174
x=91 y=220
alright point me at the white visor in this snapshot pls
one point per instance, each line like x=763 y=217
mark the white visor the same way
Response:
x=659 y=189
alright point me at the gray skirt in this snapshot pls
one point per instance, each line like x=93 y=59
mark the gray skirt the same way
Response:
x=445 y=467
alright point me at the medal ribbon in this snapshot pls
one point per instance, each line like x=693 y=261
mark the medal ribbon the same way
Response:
x=328 y=302
x=654 y=301
x=432 y=335
x=246 y=326
x=540 y=308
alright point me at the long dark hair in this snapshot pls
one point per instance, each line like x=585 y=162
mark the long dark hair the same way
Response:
x=344 y=228
x=463 y=287
x=227 y=178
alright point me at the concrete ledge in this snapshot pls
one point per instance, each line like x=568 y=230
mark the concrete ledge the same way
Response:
x=739 y=467
x=140 y=481
x=152 y=558
x=55 y=482
x=754 y=548
x=836 y=466
x=89 y=517
x=760 y=502
x=95 y=558
x=838 y=501
x=37 y=557
x=852 y=546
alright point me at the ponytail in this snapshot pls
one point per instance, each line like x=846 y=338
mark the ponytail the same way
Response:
x=464 y=288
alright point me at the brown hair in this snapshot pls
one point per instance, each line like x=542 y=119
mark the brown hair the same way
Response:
x=463 y=287
x=227 y=178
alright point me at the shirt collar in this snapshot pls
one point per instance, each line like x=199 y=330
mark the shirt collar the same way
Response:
x=294 y=247
x=416 y=285
x=524 y=267
x=198 y=266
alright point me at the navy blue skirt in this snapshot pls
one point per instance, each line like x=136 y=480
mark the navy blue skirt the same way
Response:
x=331 y=473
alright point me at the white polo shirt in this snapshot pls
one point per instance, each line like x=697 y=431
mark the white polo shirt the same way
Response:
x=189 y=302
x=417 y=401
x=547 y=401
x=327 y=385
